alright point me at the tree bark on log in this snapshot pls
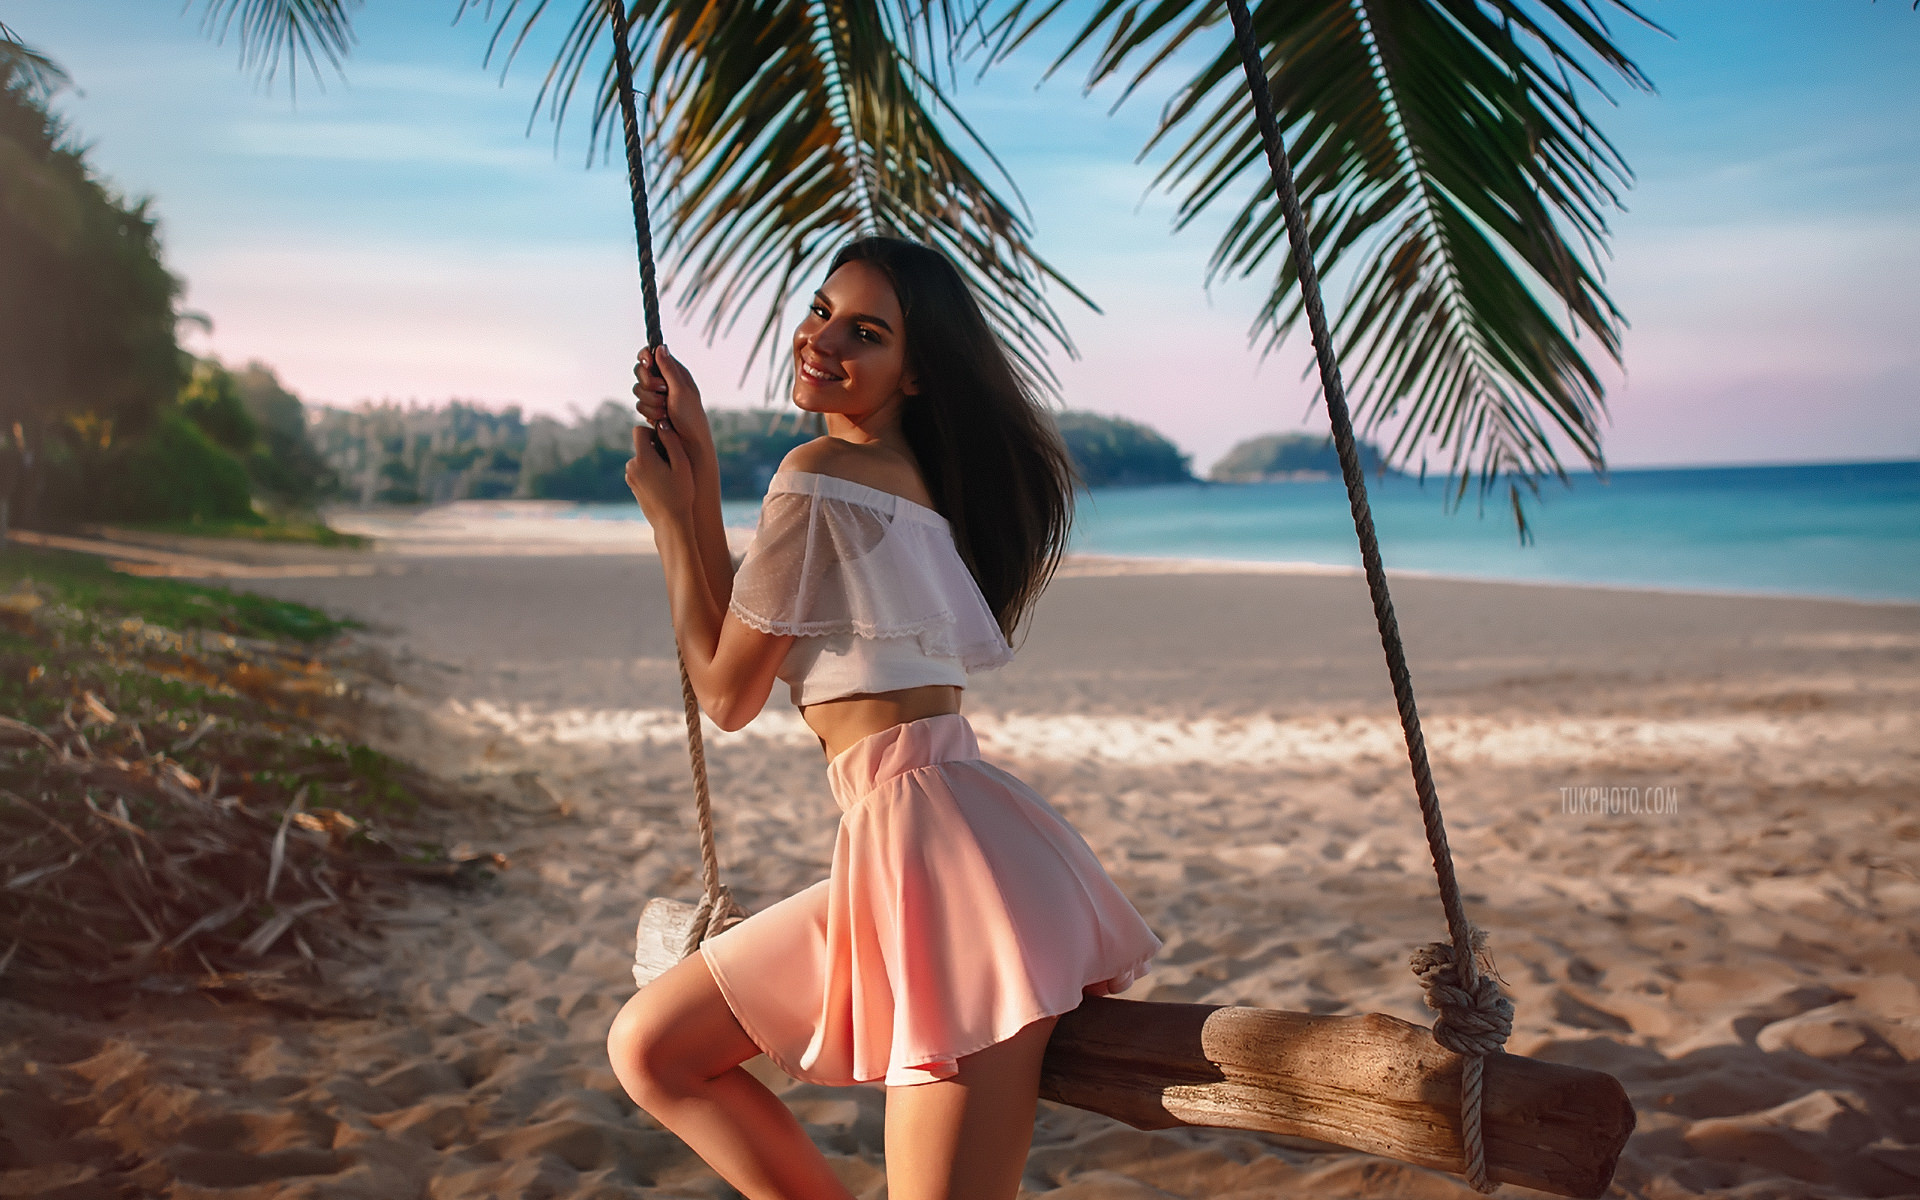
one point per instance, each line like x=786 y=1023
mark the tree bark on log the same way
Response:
x=1372 y=1083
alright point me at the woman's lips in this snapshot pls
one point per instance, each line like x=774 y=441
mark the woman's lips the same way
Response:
x=818 y=374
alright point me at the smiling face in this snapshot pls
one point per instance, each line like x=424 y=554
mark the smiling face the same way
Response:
x=849 y=354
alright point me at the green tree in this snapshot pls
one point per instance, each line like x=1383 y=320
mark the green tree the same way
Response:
x=86 y=305
x=252 y=416
x=173 y=473
x=750 y=444
x=1451 y=172
x=285 y=465
x=597 y=477
x=212 y=401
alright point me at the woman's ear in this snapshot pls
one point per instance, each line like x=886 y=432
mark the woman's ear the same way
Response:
x=910 y=384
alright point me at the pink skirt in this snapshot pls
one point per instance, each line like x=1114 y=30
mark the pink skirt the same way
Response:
x=961 y=908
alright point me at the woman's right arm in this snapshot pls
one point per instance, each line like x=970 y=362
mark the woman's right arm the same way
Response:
x=731 y=665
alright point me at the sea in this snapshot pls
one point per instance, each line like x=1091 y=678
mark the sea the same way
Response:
x=1849 y=530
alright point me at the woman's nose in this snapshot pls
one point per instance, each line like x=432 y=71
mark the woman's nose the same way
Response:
x=822 y=340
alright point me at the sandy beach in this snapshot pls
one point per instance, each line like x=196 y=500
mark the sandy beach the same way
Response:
x=1689 y=823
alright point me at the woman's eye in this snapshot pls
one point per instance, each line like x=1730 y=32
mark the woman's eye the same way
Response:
x=819 y=310
x=868 y=334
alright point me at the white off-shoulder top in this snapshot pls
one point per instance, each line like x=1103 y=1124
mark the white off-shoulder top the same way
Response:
x=872 y=586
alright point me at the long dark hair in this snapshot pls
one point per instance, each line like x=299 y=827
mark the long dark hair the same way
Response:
x=988 y=451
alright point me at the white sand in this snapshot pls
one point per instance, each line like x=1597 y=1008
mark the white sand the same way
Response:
x=1739 y=951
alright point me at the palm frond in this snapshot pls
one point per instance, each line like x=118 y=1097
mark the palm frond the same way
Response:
x=273 y=31
x=783 y=128
x=1455 y=186
x=34 y=71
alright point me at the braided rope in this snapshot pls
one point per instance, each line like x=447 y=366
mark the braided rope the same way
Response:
x=636 y=172
x=717 y=909
x=1469 y=1002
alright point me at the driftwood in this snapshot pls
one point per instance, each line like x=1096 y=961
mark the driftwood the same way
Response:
x=1372 y=1083
x=662 y=936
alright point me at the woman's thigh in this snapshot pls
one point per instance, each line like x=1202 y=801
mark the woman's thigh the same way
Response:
x=676 y=1028
x=966 y=1138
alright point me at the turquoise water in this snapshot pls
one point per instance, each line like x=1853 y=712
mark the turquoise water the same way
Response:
x=1850 y=530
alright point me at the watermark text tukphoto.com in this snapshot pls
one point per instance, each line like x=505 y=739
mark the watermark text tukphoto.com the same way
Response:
x=1634 y=801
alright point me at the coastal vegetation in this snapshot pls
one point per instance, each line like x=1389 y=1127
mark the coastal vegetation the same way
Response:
x=390 y=454
x=749 y=444
x=227 y=455
x=87 y=316
x=102 y=416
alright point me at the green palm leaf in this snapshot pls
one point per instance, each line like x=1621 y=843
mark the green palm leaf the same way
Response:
x=270 y=31
x=33 y=71
x=1455 y=187
x=786 y=127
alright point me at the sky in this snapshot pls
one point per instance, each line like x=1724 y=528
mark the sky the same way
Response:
x=406 y=233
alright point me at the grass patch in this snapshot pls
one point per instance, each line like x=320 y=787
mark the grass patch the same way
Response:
x=310 y=533
x=174 y=801
x=94 y=590
x=258 y=740
x=166 y=658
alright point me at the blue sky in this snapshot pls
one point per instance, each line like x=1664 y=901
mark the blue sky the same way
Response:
x=400 y=235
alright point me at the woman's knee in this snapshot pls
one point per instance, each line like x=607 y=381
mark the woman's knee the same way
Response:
x=674 y=1035
x=640 y=1047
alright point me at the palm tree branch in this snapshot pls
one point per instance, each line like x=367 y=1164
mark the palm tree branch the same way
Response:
x=39 y=74
x=781 y=128
x=272 y=30
x=1457 y=192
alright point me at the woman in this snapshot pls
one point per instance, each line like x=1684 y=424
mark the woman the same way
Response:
x=962 y=914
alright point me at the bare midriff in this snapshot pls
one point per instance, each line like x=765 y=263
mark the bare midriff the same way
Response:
x=840 y=723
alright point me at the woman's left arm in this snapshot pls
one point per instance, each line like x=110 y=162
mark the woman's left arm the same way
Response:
x=731 y=664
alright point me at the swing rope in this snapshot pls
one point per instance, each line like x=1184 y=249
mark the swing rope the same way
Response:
x=716 y=904
x=1475 y=1018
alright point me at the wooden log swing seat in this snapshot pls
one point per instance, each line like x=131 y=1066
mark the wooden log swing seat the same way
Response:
x=1449 y=1098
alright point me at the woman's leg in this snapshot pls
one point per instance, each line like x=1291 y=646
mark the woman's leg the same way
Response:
x=966 y=1138
x=677 y=1050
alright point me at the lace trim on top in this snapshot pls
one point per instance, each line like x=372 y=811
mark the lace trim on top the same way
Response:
x=832 y=556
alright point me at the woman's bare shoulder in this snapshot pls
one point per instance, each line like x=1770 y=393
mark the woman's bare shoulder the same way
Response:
x=873 y=466
x=821 y=456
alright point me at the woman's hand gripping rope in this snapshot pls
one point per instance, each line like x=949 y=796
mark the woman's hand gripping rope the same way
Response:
x=661 y=474
x=664 y=487
x=665 y=395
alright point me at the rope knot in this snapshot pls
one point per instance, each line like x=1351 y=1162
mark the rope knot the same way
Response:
x=715 y=913
x=1473 y=1020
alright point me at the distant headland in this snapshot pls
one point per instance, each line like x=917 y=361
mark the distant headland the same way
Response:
x=1290 y=457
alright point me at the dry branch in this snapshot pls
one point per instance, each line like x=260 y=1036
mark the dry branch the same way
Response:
x=118 y=865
